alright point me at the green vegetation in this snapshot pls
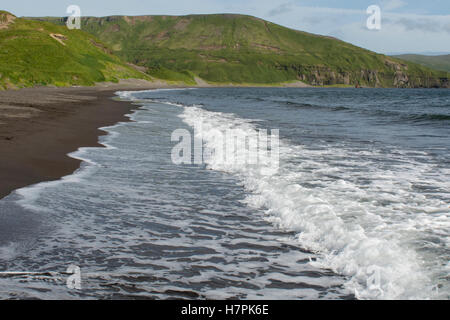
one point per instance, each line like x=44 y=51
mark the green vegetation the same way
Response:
x=41 y=53
x=225 y=48
x=434 y=62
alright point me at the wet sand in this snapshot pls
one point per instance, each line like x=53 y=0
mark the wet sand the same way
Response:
x=40 y=126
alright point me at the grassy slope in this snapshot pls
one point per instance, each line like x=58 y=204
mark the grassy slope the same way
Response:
x=434 y=62
x=243 y=49
x=30 y=56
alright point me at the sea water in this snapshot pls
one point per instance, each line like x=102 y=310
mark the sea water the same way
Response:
x=358 y=208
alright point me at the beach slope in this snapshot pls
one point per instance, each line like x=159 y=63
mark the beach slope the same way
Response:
x=40 y=126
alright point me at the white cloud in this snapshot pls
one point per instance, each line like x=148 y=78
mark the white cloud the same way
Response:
x=400 y=32
x=395 y=38
x=281 y=9
x=390 y=5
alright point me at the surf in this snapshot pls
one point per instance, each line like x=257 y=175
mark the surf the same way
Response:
x=365 y=243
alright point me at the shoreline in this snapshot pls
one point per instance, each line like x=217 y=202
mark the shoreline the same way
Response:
x=41 y=127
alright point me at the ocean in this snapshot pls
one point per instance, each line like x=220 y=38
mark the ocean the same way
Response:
x=358 y=207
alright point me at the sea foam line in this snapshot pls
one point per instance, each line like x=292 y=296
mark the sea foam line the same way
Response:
x=28 y=195
x=378 y=265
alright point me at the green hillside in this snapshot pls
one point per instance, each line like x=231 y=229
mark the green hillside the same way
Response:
x=225 y=48
x=41 y=53
x=441 y=62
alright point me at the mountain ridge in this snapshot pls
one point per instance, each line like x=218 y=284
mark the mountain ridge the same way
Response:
x=437 y=62
x=240 y=49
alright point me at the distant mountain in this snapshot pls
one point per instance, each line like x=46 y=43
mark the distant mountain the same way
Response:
x=41 y=53
x=439 y=62
x=238 y=49
x=424 y=53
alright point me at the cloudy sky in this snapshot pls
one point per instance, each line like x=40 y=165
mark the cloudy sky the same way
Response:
x=407 y=26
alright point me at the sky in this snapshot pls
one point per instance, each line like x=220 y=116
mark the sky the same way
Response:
x=407 y=26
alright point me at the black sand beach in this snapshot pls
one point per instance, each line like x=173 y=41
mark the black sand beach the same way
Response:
x=40 y=126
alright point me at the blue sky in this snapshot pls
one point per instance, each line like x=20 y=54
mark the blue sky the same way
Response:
x=407 y=25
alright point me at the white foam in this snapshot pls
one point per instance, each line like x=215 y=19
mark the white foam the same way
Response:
x=364 y=233
x=130 y=95
x=30 y=194
x=347 y=223
x=8 y=251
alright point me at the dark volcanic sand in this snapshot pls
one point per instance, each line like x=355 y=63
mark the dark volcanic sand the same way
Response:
x=40 y=126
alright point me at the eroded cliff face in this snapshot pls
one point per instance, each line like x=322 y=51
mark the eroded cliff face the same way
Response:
x=6 y=19
x=394 y=74
x=445 y=83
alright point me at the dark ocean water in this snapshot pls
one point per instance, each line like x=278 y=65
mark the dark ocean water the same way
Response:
x=359 y=207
